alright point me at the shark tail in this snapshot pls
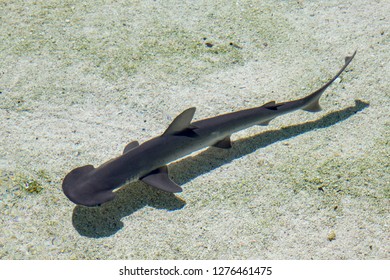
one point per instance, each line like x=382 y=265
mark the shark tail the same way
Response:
x=312 y=101
x=314 y=105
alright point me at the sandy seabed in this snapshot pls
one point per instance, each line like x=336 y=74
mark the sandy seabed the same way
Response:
x=79 y=80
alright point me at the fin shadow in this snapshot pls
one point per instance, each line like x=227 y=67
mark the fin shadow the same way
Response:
x=105 y=220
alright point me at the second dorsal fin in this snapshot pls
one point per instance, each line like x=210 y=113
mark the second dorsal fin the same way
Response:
x=269 y=104
x=181 y=122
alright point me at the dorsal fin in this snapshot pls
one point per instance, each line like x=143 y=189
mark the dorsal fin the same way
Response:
x=269 y=104
x=181 y=122
x=130 y=146
x=272 y=105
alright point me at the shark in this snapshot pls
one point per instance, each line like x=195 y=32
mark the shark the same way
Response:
x=148 y=162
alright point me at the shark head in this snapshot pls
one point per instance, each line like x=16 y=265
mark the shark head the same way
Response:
x=80 y=189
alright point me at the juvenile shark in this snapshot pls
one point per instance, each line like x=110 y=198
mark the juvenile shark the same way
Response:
x=147 y=162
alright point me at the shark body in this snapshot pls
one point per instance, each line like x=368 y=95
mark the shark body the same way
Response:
x=147 y=162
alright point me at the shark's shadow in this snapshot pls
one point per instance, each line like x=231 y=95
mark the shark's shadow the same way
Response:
x=105 y=220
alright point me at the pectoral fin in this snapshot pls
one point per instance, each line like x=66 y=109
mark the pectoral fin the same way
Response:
x=159 y=179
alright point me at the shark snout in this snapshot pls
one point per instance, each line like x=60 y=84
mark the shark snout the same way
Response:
x=80 y=189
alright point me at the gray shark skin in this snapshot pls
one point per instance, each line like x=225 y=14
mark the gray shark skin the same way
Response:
x=90 y=186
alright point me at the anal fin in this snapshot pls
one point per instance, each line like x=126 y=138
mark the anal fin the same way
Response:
x=159 y=179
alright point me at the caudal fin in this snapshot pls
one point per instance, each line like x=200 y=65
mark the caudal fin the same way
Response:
x=313 y=106
x=312 y=101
